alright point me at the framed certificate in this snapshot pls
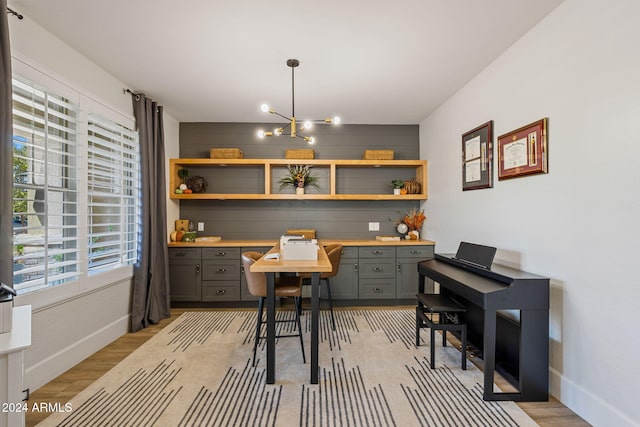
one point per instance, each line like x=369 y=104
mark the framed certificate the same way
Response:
x=523 y=151
x=477 y=159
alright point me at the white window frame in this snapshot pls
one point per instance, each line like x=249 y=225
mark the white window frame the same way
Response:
x=66 y=291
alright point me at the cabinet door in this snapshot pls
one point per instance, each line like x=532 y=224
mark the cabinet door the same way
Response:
x=344 y=285
x=407 y=274
x=184 y=278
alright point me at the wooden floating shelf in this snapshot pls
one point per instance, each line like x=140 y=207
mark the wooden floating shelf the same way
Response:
x=266 y=167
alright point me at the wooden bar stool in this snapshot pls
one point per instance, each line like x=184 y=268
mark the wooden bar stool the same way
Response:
x=449 y=319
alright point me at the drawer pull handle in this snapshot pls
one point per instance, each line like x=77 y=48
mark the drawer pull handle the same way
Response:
x=197 y=268
x=181 y=254
x=377 y=290
x=221 y=253
x=377 y=252
x=355 y=267
x=416 y=252
x=220 y=270
x=221 y=292
x=377 y=269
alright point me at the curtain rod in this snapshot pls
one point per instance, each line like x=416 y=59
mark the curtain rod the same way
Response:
x=137 y=95
x=14 y=13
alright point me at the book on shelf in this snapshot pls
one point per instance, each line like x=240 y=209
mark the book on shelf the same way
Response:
x=388 y=238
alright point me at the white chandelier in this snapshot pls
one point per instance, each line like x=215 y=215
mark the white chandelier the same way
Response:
x=306 y=125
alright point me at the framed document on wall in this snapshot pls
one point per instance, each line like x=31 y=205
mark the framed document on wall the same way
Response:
x=523 y=151
x=477 y=159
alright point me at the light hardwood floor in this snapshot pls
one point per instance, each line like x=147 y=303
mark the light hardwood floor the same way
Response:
x=66 y=386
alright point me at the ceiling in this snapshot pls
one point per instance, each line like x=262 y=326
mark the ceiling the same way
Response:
x=368 y=61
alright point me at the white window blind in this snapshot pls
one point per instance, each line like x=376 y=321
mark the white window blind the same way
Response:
x=113 y=194
x=45 y=189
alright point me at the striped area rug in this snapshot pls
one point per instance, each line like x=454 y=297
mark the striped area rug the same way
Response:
x=197 y=372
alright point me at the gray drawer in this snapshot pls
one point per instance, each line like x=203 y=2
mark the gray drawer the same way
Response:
x=377 y=269
x=220 y=270
x=377 y=252
x=349 y=252
x=377 y=289
x=423 y=252
x=220 y=291
x=184 y=253
x=221 y=253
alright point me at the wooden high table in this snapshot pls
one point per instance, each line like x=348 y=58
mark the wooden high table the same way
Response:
x=272 y=266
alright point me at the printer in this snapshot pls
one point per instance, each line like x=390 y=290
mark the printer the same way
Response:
x=297 y=248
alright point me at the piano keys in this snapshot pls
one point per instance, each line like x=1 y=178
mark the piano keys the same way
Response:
x=518 y=348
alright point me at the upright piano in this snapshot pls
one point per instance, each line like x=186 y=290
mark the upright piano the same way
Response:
x=507 y=315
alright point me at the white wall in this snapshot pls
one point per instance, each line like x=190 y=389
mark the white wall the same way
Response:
x=71 y=322
x=578 y=224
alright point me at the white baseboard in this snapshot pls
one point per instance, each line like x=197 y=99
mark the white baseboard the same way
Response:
x=46 y=370
x=589 y=407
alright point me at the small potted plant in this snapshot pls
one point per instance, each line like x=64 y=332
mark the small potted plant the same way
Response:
x=397 y=185
x=299 y=176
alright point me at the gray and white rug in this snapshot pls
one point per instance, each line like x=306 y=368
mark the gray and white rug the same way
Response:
x=197 y=372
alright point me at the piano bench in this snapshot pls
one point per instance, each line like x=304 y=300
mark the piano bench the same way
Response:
x=449 y=319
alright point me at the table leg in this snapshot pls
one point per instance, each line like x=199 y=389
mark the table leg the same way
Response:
x=315 y=312
x=271 y=328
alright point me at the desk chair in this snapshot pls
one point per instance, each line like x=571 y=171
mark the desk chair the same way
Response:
x=334 y=252
x=285 y=287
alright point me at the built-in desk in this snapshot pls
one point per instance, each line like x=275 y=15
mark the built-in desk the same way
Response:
x=371 y=271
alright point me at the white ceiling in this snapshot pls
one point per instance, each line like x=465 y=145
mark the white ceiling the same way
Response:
x=368 y=61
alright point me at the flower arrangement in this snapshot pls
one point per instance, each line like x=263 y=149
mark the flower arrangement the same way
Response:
x=414 y=218
x=299 y=176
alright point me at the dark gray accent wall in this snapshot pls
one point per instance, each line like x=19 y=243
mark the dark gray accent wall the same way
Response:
x=268 y=219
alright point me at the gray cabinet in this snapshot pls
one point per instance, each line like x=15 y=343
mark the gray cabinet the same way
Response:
x=220 y=274
x=344 y=285
x=377 y=272
x=184 y=274
x=407 y=270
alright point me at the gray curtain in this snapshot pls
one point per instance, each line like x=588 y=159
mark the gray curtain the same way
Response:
x=6 y=152
x=150 y=301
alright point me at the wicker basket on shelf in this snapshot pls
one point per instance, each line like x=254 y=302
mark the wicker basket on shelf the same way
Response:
x=378 y=155
x=226 y=153
x=299 y=154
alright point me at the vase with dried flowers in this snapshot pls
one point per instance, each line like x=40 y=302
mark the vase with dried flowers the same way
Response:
x=299 y=176
x=413 y=218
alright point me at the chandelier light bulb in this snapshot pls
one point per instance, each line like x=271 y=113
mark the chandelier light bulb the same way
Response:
x=307 y=124
x=310 y=140
x=336 y=120
x=278 y=131
x=264 y=108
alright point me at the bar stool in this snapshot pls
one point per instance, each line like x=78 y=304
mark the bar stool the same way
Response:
x=449 y=319
x=284 y=287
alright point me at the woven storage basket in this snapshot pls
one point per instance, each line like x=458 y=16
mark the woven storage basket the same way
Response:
x=307 y=234
x=299 y=154
x=226 y=153
x=378 y=155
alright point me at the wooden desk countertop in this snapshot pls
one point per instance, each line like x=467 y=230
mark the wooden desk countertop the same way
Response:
x=344 y=242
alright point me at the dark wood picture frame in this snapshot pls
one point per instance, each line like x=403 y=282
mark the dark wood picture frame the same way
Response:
x=477 y=157
x=523 y=151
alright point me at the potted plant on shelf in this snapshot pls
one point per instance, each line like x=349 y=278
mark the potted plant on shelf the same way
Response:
x=397 y=185
x=299 y=176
